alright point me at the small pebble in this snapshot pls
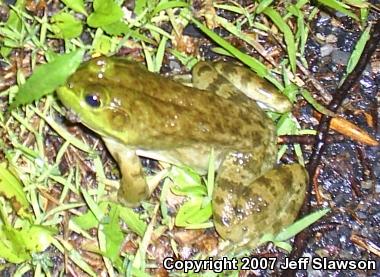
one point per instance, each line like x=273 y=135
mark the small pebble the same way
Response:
x=326 y=50
x=367 y=184
x=340 y=57
x=321 y=37
x=331 y=38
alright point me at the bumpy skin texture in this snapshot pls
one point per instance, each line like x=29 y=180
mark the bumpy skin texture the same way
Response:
x=143 y=113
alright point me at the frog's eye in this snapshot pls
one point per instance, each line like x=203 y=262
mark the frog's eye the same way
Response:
x=93 y=100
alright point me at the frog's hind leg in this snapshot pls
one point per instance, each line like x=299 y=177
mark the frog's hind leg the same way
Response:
x=245 y=213
x=206 y=77
x=230 y=80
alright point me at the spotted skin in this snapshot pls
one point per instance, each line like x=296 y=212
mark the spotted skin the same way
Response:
x=144 y=114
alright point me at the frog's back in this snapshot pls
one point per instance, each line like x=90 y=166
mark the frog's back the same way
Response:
x=165 y=114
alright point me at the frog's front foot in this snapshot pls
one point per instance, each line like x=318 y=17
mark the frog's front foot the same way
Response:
x=133 y=186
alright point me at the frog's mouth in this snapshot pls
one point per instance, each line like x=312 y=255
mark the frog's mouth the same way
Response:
x=67 y=98
x=72 y=116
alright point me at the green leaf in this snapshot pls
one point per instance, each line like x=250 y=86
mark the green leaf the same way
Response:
x=66 y=26
x=364 y=12
x=12 y=189
x=288 y=35
x=12 y=247
x=187 y=182
x=138 y=273
x=286 y=125
x=113 y=234
x=183 y=176
x=140 y=6
x=193 y=212
x=102 y=43
x=17 y=245
x=197 y=190
x=14 y=21
x=202 y=215
x=46 y=78
x=76 y=5
x=86 y=221
x=284 y=245
x=291 y=91
x=117 y=28
x=132 y=219
x=37 y=238
x=105 y=12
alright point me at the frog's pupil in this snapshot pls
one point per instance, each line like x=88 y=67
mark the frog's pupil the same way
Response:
x=93 y=100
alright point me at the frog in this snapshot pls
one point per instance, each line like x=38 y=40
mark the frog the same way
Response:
x=138 y=113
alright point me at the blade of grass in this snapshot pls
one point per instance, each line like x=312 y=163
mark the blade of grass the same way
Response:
x=253 y=63
x=320 y=108
x=168 y=5
x=359 y=48
x=160 y=54
x=301 y=224
x=340 y=7
x=288 y=35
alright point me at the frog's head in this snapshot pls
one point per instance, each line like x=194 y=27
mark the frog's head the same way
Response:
x=95 y=99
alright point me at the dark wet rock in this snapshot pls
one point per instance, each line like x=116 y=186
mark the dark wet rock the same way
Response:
x=10 y=2
x=4 y=13
x=322 y=25
x=340 y=57
x=192 y=31
x=86 y=37
x=326 y=49
x=347 y=41
x=312 y=54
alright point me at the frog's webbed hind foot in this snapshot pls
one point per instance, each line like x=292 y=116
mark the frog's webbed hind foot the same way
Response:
x=267 y=205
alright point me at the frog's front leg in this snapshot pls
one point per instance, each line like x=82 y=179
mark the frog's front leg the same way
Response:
x=133 y=185
x=244 y=210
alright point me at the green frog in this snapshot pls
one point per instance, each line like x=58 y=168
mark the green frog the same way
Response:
x=139 y=113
